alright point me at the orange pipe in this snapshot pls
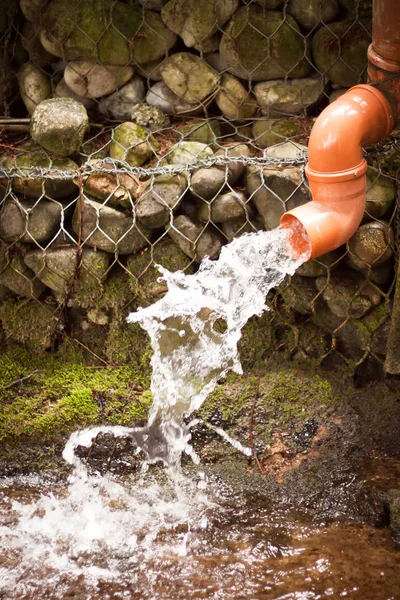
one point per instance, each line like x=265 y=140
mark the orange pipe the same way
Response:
x=336 y=171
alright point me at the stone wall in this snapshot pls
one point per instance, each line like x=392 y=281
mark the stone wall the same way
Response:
x=158 y=132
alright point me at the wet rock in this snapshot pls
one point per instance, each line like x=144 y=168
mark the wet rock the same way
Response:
x=29 y=221
x=237 y=227
x=63 y=91
x=189 y=77
x=117 y=188
x=348 y=294
x=310 y=13
x=56 y=268
x=233 y=100
x=17 y=277
x=119 y=105
x=89 y=79
x=194 y=239
x=149 y=116
x=278 y=48
x=269 y=132
x=187 y=153
x=381 y=192
x=287 y=150
x=340 y=52
x=291 y=97
x=35 y=187
x=77 y=30
x=154 y=208
x=300 y=295
x=319 y=266
x=108 y=229
x=206 y=183
x=228 y=206
x=34 y=86
x=275 y=190
x=132 y=143
x=197 y=20
x=163 y=98
x=59 y=125
x=205 y=131
x=371 y=245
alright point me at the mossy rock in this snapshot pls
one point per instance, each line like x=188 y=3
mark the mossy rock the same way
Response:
x=204 y=131
x=30 y=323
x=79 y=30
x=340 y=52
x=381 y=192
x=261 y=46
x=133 y=144
x=189 y=77
x=269 y=132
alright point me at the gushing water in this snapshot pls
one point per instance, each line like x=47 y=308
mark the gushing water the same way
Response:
x=194 y=331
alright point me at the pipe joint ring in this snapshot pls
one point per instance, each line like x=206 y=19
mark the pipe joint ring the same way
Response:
x=337 y=176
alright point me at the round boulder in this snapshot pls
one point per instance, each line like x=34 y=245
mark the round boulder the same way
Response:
x=189 y=77
x=132 y=143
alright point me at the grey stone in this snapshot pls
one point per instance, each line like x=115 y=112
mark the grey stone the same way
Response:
x=206 y=183
x=108 y=229
x=381 y=192
x=132 y=143
x=310 y=13
x=56 y=268
x=371 y=245
x=154 y=208
x=347 y=294
x=119 y=105
x=90 y=79
x=197 y=20
x=193 y=239
x=262 y=46
x=275 y=190
x=149 y=116
x=187 y=153
x=291 y=97
x=29 y=221
x=59 y=125
x=189 y=77
x=160 y=96
x=17 y=277
x=228 y=206
x=234 y=100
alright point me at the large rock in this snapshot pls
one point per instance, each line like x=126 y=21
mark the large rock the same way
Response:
x=261 y=46
x=105 y=184
x=111 y=32
x=228 y=206
x=189 y=77
x=310 y=13
x=234 y=100
x=34 y=86
x=119 y=105
x=59 y=125
x=340 y=52
x=275 y=190
x=154 y=208
x=108 y=229
x=56 y=268
x=132 y=143
x=371 y=245
x=381 y=192
x=29 y=221
x=160 y=96
x=17 y=277
x=89 y=79
x=277 y=97
x=268 y=132
x=208 y=182
x=197 y=20
x=347 y=294
x=30 y=183
x=194 y=239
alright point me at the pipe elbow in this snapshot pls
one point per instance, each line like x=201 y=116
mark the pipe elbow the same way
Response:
x=336 y=171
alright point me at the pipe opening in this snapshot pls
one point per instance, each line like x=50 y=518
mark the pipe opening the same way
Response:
x=298 y=240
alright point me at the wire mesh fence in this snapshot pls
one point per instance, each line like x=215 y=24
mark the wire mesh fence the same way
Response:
x=151 y=132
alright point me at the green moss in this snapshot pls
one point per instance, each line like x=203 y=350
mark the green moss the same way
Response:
x=30 y=323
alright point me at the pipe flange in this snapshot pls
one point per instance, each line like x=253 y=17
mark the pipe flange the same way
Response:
x=337 y=176
x=384 y=64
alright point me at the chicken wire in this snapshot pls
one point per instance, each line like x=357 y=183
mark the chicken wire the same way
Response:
x=224 y=156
